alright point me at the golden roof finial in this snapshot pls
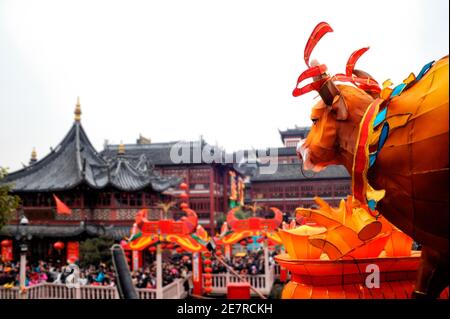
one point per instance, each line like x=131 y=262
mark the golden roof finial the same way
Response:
x=121 y=150
x=78 y=110
x=33 y=156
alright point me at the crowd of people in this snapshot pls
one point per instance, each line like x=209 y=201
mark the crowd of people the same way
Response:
x=173 y=267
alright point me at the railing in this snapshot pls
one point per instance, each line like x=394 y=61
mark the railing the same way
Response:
x=174 y=290
x=220 y=282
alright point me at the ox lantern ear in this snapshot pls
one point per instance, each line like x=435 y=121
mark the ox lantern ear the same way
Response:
x=340 y=108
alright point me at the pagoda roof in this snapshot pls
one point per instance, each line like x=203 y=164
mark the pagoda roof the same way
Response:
x=75 y=161
x=295 y=132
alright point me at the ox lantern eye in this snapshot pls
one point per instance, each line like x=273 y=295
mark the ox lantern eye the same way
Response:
x=314 y=121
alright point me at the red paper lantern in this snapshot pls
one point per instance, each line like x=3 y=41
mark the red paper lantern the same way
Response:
x=152 y=249
x=59 y=245
x=184 y=196
x=243 y=242
x=249 y=240
x=179 y=250
x=207 y=254
x=219 y=253
x=7 y=243
x=169 y=246
x=208 y=290
x=207 y=262
x=260 y=240
x=208 y=269
x=207 y=276
x=184 y=186
x=184 y=205
x=208 y=282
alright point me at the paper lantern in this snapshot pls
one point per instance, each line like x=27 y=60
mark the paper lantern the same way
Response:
x=184 y=205
x=398 y=245
x=6 y=243
x=152 y=249
x=208 y=289
x=250 y=240
x=260 y=240
x=219 y=253
x=184 y=186
x=296 y=241
x=184 y=196
x=179 y=250
x=207 y=276
x=59 y=245
x=208 y=269
x=169 y=246
x=208 y=282
x=207 y=262
x=243 y=242
x=207 y=254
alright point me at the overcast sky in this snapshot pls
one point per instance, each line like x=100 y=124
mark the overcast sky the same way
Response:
x=174 y=70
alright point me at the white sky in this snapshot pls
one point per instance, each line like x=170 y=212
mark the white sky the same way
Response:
x=174 y=70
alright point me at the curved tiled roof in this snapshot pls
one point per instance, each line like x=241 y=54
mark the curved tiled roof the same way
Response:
x=75 y=161
x=286 y=172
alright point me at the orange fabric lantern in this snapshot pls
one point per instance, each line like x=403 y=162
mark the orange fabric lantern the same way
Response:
x=398 y=245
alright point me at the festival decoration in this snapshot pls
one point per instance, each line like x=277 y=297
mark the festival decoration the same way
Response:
x=59 y=245
x=326 y=260
x=397 y=156
x=237 y=230
x=7 y=250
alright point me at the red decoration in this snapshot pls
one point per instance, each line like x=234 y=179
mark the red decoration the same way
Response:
x=152 y=249
x=7 y=243
x=169 y=246
x=208 y=269
x=243 y=242
x=207 y=276
x=59 y=245
x=207 y=254
x=249 y=240
x=179 y=250
x=61 y=208
x=260 y=240
x=219 y=253
x=208 y=290
x=184 y=205
x=207 y=262
x=184 y=196
x=208 y=282
x=184 y=186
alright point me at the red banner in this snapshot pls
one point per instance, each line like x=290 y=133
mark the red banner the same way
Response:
x=73 y=251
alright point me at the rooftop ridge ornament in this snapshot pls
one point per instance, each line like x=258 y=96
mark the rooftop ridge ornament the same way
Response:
x=33 y=158
x=78 y=110
x=121 y=150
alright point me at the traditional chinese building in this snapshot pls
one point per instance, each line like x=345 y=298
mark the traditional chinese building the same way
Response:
x=103 y=196
x=208 y=178
x=289 y=187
